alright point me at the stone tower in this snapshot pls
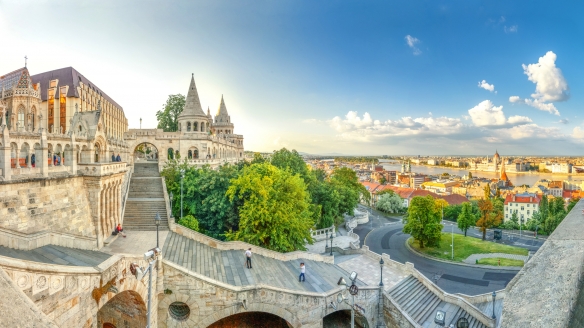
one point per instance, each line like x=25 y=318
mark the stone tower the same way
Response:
x=222 y=124
x=193 y=119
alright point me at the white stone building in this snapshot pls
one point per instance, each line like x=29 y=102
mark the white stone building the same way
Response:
x=522 y=204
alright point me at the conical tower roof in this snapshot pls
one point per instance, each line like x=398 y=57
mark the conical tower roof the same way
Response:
x=192 y=103
x=503 y=173
x=222 y=110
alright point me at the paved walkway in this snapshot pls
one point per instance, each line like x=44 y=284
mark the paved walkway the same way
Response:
x=369 y=272
x=473 y=258
x=136 y=242
x=53 y=254
x=319 y=246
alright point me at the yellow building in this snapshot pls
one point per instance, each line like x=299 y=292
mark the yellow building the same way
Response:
x=65 y=91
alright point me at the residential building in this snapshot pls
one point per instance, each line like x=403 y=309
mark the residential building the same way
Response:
x=555 y=188
x=561 y=168
x=523 y=204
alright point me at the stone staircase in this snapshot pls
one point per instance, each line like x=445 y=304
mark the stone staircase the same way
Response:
x=421 y=304
x=145 y=199
x=228 y=266
x=53 y=254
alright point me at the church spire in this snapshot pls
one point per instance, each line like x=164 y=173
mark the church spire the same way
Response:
x=192 y=103
x=222 y=111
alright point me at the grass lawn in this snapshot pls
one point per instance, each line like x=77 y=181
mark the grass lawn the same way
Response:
x=504 y=262
x=464 y=247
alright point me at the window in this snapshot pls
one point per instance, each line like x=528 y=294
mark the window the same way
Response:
x=506 y=216
x=527 y=212
x=21 y=118
x=522 y=208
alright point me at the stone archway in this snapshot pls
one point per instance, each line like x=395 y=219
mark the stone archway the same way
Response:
x=342 y=318
x=146 y=151
x=251 y=320
x=125 y=310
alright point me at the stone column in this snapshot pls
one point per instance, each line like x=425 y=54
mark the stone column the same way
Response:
x=17 y=157
x=95 y=194
x=42 y=155
x=5 y=154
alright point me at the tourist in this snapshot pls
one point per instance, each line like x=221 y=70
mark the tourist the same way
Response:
x=248 y=258
x=54 y=159
x=118 y=158
x=302 y=271
x=113 y=157
x=33 y=160
x=120 y=230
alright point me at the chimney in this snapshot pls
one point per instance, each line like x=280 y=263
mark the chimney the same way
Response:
x=530 y=199
x=513 y=197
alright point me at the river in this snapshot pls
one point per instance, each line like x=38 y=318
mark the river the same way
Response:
x=516 y=179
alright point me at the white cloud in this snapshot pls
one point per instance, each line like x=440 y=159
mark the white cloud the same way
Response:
x=515 y=99
x=532 y=131
x=578 y=133
x=536 y=103
x=550 y=84
x=486 y=114
x=311 y=121
x=564 y=121
x=511 y=29
x=412 y=43
x=489 y=87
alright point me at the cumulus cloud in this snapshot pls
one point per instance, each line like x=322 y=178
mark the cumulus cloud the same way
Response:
x=536 y=103
x=412 y=43
x=564 y=121
x=515 y=99
x=531 y=131
x=489 y=87
x=550 y=84
x=578 y=133
x=511 y=29
x=486 y=114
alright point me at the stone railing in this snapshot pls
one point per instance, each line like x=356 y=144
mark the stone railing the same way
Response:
x=482 y=298
x=24 y=241
x=167 y=203
x=356 y=243
x=397 y=316
x=240 y=245
x=99 y=169
x=361 y=215
x=322 y=234
x=126 y=192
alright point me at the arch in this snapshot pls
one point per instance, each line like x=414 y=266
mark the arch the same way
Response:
x=342 y=315
x=20 y=113
x=190 y=154
x=170 y=153
x=195 y=126
x=202 y=126
x=146 y=151
x=252 y=307
x=33 y=117
x=125 y=309
x=188 y=126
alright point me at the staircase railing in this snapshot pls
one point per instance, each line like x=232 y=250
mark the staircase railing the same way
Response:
x=129 y=177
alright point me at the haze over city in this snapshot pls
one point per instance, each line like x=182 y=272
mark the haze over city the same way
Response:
x=421 y=77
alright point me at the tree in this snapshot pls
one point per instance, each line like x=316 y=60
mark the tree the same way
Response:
x=466 y=218
x=423 y=221
x=441 y=205
x=275 y=210
x=390 y=203
x=258 y=159
x=190 y=222
x=572 y=203
x=470 y=175
x=290 y=160
x=451 y=212
x=489 y=217
x=346 y=183
x=487 y=191
x=168 y=116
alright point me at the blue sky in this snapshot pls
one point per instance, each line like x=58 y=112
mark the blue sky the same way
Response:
x=350 y=77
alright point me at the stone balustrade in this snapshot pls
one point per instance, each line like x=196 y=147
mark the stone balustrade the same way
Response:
x=99 y=169
x=322 y=234
x=28 y=241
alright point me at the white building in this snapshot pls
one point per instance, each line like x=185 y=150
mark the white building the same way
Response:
x=522 y=204
x=561 y=168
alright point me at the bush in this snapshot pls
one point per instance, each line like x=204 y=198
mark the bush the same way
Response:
x=190 y=222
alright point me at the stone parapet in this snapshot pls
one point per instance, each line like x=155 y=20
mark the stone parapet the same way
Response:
x=24 y=241
x=547 y=292
x=395 y=316
x=322 y=234
x=100 y=169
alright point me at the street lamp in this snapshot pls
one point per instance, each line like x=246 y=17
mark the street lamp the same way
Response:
x=139 y=273
x=140 y=123
x=353 y=290
x=157 y=221
x=452 y=245
x=171 y=197
x=494 y=295
x=182 y=176
x=326 y=242
x=381 y=269
x=331 y=244
x=380 y=320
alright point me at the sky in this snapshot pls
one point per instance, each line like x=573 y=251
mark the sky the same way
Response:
x=329 y=77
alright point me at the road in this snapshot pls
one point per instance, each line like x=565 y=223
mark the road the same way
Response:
x=384 y=235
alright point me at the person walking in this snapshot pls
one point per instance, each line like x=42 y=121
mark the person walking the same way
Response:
x=302 y=278
x=248 y=258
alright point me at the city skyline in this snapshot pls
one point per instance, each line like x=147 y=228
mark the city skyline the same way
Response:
x=347 y=78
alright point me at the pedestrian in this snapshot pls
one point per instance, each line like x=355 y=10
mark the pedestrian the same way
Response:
x=113 y=157
x=118 y=158
x=248 y=258
x=120 y=230
x=302 y=272
x=33 y=160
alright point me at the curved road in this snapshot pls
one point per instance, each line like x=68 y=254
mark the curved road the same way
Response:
x=384 y=236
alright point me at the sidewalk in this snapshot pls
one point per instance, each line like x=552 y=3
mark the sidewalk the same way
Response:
x=136 y=242
x=474 y=257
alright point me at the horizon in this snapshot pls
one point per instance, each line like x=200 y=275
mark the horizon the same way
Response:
x=346 y=78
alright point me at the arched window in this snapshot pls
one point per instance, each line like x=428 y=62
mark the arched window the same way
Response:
x=195 y=126
x=202 y=126
x=33 y=120
x=170 y=153
x=21 y=116
x=190 y=154
x=196 y=153
x=188 y=126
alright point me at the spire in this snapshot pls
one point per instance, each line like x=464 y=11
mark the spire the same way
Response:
x=503 y=173
x=208 y=111
x=192 y=103
x=222 y=111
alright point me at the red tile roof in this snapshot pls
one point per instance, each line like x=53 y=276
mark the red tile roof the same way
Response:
x=556 y=184
x=522 y=198
x=455 y=199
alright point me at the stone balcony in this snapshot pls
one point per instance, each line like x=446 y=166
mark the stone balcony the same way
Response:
x=99 y=169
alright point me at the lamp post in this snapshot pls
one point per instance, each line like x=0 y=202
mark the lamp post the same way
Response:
x=331 y=244
x=494 y=295
x=182 y=176
x=326 y=242
x=520 y=225
x=171 y=196
x=380 y=321
x=140 y=123
x=157 y=221
x=452 y=245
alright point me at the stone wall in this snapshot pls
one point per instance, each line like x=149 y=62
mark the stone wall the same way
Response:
x=209 y=301
x=547 y=291
x=395 y=317
x=51 y=204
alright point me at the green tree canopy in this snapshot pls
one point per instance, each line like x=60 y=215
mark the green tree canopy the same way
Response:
x=347 y=184
x=190 y=222
x=466 y=218
x=490 y=217
x=168 y=116
x=423 y=221
x=275 y=210
x=390 y=203
x=290 y=160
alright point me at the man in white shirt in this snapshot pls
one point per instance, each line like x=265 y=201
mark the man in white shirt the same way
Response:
x=248 y=258
x=302 y=271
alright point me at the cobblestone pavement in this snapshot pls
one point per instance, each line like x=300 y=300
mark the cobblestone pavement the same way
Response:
x=473 y=258
x=369 y=272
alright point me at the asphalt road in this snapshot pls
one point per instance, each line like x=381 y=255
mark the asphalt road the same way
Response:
x=384 y=235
